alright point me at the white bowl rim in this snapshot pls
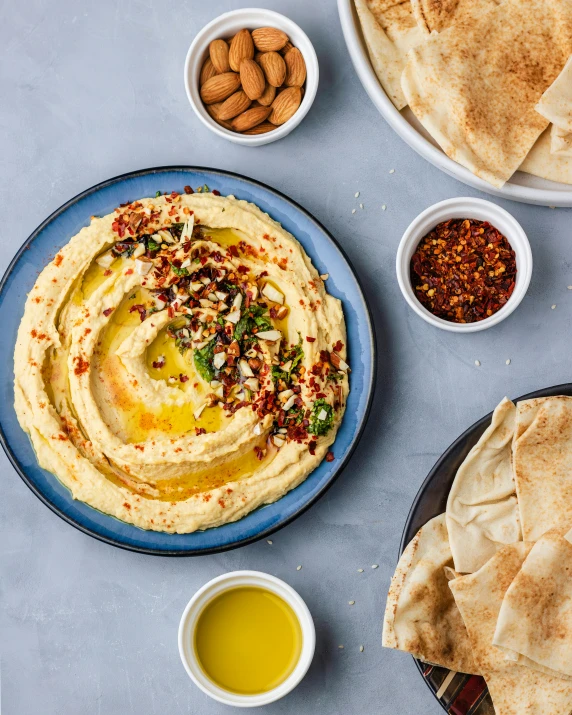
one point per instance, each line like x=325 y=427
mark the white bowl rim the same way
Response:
x=461 y=207
x=225 y=582
x=267 y=18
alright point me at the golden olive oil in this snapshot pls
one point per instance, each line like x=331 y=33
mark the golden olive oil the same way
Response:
x=248 y=640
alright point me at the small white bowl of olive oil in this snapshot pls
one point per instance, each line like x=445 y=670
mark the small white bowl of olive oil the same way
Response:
x=246 y=638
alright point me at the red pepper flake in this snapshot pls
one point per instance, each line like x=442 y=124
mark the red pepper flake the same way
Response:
x=158 y=364
x=129 y=271
x=188 y=190
x=108 y=272
x=310 y=340
x=233 y=250
x=463 y=270
x=183 y=378
x=312 y=447
x=199 y=431
x=107 y=312
x=337 y=347
x=140 y=309
x=330 y=457
x=216 y=193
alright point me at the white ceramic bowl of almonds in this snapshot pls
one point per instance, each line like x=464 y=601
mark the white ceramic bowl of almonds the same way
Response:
x=226 y=27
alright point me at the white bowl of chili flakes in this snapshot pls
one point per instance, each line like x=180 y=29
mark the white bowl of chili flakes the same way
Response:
x=504 y=291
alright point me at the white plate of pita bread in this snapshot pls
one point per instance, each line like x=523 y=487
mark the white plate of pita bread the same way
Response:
x=480 y=88
x=482 y=594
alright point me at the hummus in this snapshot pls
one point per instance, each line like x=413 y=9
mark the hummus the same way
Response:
x=179 y=363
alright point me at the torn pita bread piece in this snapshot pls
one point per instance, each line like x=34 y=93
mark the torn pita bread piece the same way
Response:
x=556 y=106
x=474 y=86
x=534 y=626
x=438 y=15
x=541 y=162
x=514 y=689
x=482 y=509
x=542 y=460
x=389 y=31
x=421 y=616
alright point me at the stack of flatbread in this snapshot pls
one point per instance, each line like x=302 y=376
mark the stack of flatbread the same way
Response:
x=490 y=80
x=486 y=588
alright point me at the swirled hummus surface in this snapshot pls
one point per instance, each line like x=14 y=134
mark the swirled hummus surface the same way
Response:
x=179 y=363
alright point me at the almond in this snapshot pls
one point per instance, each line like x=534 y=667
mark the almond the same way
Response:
x=250 y=118
x=257 y=56
x=207 y=71
x=274 y=68
x=241 y=48
x=269 y=39
x=252 y=78
x=260 y=129
x=219 y=87
x=218 y=52
x=213 y=110
x=287 y=46
x=267 y=97
x=285 y=105
x=295 y=68
x=236 y=104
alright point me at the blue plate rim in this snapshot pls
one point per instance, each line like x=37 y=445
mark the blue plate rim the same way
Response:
x=358 y=432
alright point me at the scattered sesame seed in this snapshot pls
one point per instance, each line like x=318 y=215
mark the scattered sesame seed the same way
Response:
x=507 y=362
x=340 y=647
x=360 y=570
x=361 y=649
x=353 y=211
x=374 y=566
x=298 y=568
x=361 y=206
x=392 y=171
x=356 y=194
x=325 y=276
x=269 y=541
x=553 y=306
x=383 y=207
x=478 y=363
x=351 y=603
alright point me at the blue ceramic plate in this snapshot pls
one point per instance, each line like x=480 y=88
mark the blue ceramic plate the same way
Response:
x=326 y=255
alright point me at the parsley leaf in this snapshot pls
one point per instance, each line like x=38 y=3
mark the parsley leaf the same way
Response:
x=317 y=426
x=204 y=361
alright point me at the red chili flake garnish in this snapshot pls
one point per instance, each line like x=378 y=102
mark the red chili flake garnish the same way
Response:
x=199 y=431
x=188 y=190
x=170 y=312
x=312 y=447
x=158 y=364
x=463 y=270
x=216 y=193
x=107 y=312
x=233 y=250
x=242 y=269
x=259 y=453
x=108 y=272
x=140 y=309
x=81 y=365
x=337 y=347
x=330 y=457
x=183 y=378
x=310 y=340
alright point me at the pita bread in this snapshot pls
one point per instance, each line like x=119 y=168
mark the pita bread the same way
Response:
x=556 y=106
x=535 y=621
x=542 y=459
x=474 y=86
x=482 y=510
x=542 y=162
x=421 y=616
x=514 y=689
x=438 y=15
x=389 y=31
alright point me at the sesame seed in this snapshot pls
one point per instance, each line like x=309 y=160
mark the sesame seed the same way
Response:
x=392 y=171
x=374 y=566
x=298 y=568
x=360 y=570
x=361 y=649
x=356 y=194
x=340 y=647
x=478 y=363
x=353 y=211
x=553 y=306
x=361 y=206
x=325 y=276
x=507 y=362
x=351 y=603
x=383 y=207
x=569 y=287
x=269 y=541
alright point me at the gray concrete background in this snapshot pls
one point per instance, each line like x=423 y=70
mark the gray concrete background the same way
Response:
x=91 y=90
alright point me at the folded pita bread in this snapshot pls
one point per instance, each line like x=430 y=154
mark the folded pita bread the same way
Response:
x=482 y=510
x=389 y=30
x=542 y=459
x=534 y=626
x=556 y=106
x=421 y=616
x=438 y=15
x=514 y=689
x=542 y=162
x=474 y=86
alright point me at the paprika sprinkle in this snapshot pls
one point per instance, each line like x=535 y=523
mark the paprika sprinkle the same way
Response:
x=463 y=270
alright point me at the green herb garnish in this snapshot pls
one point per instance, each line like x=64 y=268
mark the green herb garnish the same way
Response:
x=317 y=426
x=179 y=271
x=204 y=361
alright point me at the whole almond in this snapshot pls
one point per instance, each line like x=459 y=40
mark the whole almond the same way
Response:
x=274 y=68
x=267 y=97
x=213 y=110
x=241 y=48
x=287 y=46
x=219 y=87
x=295 y=68
x=260 y=129
x=218 y=52
x=269 y=39
x=252 y=78
x=236 y=104
x=250 y=118
x=285 y=105
x=207 y=71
